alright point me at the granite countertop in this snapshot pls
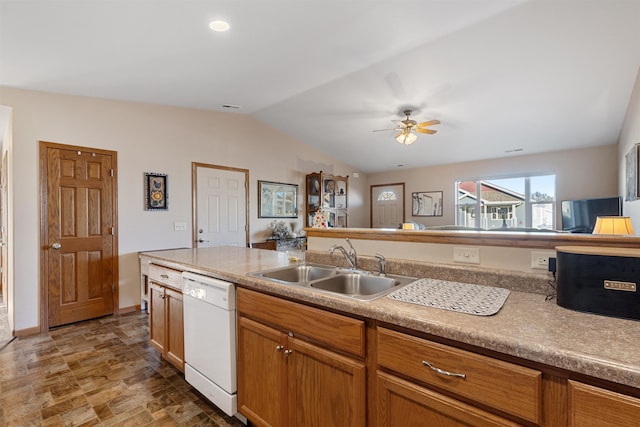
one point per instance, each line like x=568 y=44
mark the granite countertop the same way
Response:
x=527 y=326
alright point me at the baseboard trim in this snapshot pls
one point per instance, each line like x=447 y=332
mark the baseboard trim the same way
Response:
x=131 y=309
x=26 y=332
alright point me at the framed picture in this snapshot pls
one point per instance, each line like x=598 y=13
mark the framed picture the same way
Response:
x=155 y=192
x=632 y=161
x=427 y=203
x=277 y=200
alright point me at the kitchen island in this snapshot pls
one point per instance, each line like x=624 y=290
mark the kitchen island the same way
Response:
x=564 y=345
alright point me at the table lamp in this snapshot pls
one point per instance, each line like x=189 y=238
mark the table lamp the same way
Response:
x=616 y=225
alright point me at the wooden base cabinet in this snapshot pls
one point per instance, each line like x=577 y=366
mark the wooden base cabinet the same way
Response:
x=402 y=403
x=491 y=384
x=290 y=380
x=166 y=324
x=591 y=406
x=262 y=377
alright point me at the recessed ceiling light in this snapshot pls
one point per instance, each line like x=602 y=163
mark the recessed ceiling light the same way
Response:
x=219 y=25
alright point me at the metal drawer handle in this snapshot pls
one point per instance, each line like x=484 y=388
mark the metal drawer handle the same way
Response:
x=443 y=372
x=164 y=276
x=288 y=352
x=279 y=348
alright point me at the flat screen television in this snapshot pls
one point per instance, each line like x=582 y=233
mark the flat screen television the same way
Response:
x=579 y=216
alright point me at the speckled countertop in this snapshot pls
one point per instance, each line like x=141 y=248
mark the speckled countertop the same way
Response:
x=527 y=326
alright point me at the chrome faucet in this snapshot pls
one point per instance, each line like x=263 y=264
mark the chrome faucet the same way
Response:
x=382 y=261
x=351 y=256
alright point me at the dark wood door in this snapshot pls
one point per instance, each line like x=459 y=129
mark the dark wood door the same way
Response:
x=79 y=247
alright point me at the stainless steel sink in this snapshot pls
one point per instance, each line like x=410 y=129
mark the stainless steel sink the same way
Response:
x=357 y=284
x=298 y=273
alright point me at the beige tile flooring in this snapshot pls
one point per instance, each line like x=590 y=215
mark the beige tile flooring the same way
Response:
x=99 y=372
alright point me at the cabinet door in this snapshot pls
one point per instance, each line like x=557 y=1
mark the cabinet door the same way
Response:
x=262 y=377
x=325 y=388
x=156 y=321
x=402 y=403
x=174 y=345
x=597 y=407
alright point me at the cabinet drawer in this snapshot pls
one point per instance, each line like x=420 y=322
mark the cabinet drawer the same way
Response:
x=501 y=385
x=336 y=331
x=593 y=406
x=166 y=276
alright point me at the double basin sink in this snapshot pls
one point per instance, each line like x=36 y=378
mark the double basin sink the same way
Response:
x=357 y=284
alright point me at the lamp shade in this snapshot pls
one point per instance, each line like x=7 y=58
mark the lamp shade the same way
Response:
x=406 y=137
x=618 y=225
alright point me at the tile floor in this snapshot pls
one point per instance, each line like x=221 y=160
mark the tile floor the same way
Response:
x=99 y=372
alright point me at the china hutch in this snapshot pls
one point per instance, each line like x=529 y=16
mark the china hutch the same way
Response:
x=330 y=193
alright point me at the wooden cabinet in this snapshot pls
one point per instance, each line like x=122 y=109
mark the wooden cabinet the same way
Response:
x=166 y=324
x=402 y=403
x=298 y=365
x=447 y=378
x=591 y=406
x=144 y=282
x=329 y=193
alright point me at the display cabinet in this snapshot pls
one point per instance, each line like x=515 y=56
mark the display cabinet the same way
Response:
x=329 y=193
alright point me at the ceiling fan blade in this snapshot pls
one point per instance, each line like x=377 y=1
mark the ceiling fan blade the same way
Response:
x=380 y=130
x=429 y=131
x=429 y=123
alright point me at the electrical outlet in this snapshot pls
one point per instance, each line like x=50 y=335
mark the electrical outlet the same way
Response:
x=540 y=260
x=179 y=226
x=466 y=255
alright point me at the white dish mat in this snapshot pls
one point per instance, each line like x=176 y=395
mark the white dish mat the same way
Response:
x=461 y=297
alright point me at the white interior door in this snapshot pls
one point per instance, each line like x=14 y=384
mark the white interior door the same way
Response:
x=221 y=207
x=387 y=206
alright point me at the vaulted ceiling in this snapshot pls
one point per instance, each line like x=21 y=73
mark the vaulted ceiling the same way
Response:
x=504 y=77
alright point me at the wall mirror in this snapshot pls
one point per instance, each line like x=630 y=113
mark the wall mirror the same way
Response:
x=277 y=200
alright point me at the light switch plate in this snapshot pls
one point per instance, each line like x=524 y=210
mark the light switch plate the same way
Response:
x=180 y=226
x=466 y=255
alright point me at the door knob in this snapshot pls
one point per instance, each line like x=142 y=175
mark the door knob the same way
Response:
x=56 y=246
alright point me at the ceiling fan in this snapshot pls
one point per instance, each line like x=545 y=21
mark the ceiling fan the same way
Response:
x=408 y=128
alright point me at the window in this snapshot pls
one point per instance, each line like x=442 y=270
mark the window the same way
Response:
x=503 y=212
x=515 y=202
x=387 y=195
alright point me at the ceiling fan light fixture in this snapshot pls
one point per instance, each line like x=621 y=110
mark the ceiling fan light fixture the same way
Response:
x=406 y=137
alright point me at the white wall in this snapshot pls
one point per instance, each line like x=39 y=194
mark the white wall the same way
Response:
x=7 y=150
x=629 y=136
x=148 y=138
x=581 y=173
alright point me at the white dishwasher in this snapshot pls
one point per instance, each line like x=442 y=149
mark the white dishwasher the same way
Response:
x=210 y=339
